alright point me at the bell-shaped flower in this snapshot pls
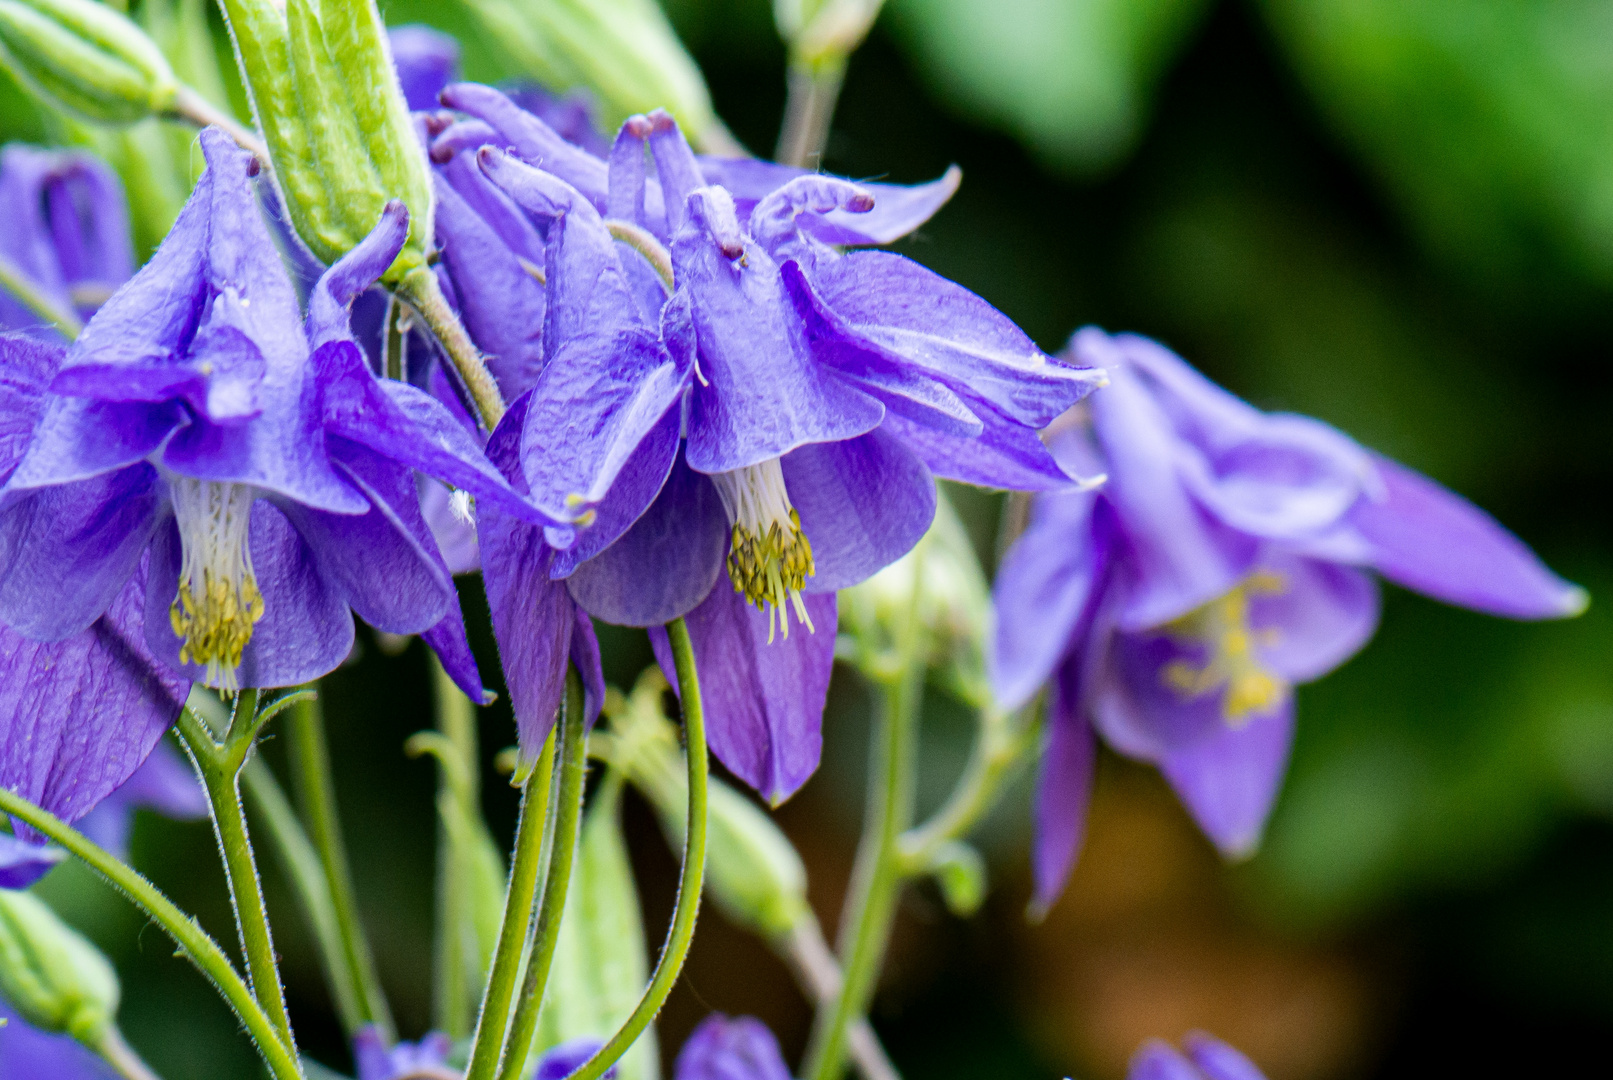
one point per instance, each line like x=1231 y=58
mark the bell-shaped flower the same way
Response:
x=424 y=1060
x=1228 y=558
x=730 y=1048
x=253 y=460
x=66 y=234
x=1202 y=1057
x=751 y=424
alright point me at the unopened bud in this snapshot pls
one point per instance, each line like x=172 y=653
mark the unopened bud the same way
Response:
x=960 y=873
x=755 y=875
x=623 y=52
x=51 y=975
x=338 y=129
x=87 y=59
x=824 y=31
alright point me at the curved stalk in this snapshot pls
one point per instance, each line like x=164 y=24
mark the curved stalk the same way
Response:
x=122 y=1057
x=15 y=282
x=192 y=107
x=573 y=767
x=219 y=766
x=518 y=900
x=420 y=288
x=202 y=950
x=998 y=751
x=681 y=932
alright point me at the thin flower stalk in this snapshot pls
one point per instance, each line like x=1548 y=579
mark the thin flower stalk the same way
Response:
x=202 y=950
x=15 y=282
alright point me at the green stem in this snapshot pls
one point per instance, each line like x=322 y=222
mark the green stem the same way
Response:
x=999 y=748
x=681 y=932
x=573 y=768
x=316 y=792
x=876 y=879
x=459 y=796
x=121 y=1056
x=518 y=901
x=814 y=90
x=299 y=862
x=219 y=764
x=15 y=282
x=191 y=106
x=420 y=288
x=202 y=950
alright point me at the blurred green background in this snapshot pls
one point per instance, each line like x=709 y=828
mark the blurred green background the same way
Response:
x=1396 y=215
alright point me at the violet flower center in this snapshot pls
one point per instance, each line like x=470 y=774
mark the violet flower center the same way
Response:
x=1232 y=665
x=218 y=601
x=769 y=558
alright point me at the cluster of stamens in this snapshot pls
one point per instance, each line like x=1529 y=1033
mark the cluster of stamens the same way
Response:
x=769 y=557
x=1232 y=666
x=218 y=601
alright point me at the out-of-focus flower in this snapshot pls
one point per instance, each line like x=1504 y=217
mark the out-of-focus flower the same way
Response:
x=26 y=1053
x=66 y=234
x=1225 y=561
x=88 y=58
x=561 y=1061
x=730 y=1048
x=782 y=413
x=426 y=61
x=164 y=783
x=1207 y=1058
x=423 y=1060
x=51 y=974
x=257 y=465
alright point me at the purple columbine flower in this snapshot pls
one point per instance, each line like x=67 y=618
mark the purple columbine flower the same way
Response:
x=78 y=715
x=67 y=231
x=255 y=463
x=423 y=1060
x=779 y=415
x=26 y=1053
x=730 y=1048
x=1226 y=560
x=1207 y=1058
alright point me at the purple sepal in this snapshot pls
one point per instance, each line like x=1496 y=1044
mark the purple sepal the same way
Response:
x=26 y=1053
x=1064 y=788
x=730 y=1048
x=23 y=862
x=164 y=783
x=426 y=60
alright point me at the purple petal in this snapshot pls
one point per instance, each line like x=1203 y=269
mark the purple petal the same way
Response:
x=426 y=61
x=1218 y=1061
x=333 y=294
x=561 y=1061
x=26 y=1053
x=675 y=167
x=1006 y=455
x=1322 y=617
x=585 y=658
x=898 y=208
x=1439 y=544
x=1064 y=788
x=636 y=486
x=165 y=783
x=534 y=140
x=737 y=1048
x=1044 y=585
x=1158 y=1060
x=306 y=630
x=68 y=551
x=774 y=220
x=764 y=702
x=22 y=863
x=891 y=305
x=79 y=438
x=664 y=565
x=78 y=716
x=26 y=368
x=863 y=504
x=447 y=639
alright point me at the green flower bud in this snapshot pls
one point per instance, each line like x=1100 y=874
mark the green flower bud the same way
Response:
x=824 y=31
x=754 y=873
x=624 y=52
x=328 y=103
x=51 y=975
x=86 y=58
x=960 y=873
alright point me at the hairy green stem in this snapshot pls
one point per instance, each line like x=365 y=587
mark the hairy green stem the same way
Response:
x=219 y=765
x=202 y=950
x=192 y=107
x=676 y=949
x=316 y=793
x=518 y=900
x=876 y=880
x=299 y=862
x=419 y=287
x=568 y=816
x=15 y=282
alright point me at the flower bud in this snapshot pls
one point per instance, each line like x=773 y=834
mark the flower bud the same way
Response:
x=755 y=875
x=87 y=59
x=824 y=31
x=960 y=873
x=624 y=52
x=51 y=975
x=338 y=130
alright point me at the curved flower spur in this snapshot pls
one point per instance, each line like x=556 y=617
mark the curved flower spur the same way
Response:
x=1226 y=560
x=259 y=461
x=768 y=415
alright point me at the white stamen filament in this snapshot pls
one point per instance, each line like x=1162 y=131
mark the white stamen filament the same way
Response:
x=462 y=505
x=218 y=602
x=770 y=557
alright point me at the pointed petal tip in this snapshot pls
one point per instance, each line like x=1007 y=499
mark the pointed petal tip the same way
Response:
x=1575 y=601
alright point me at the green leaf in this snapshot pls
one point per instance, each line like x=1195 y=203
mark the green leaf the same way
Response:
x=1071 y=78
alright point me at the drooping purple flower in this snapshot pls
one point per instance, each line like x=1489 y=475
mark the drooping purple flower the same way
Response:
x=1226 y=560
x=26 y=1053
x=1207 y=1058
x=423 y=1060
x=730 y=1048
x=781 y=414
x=426 y=60
x=254 y=462
x=66 y=232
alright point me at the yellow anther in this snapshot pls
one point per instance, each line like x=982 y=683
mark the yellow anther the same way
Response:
x=769 y=557
x=1232 y=665
x=218 y=602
